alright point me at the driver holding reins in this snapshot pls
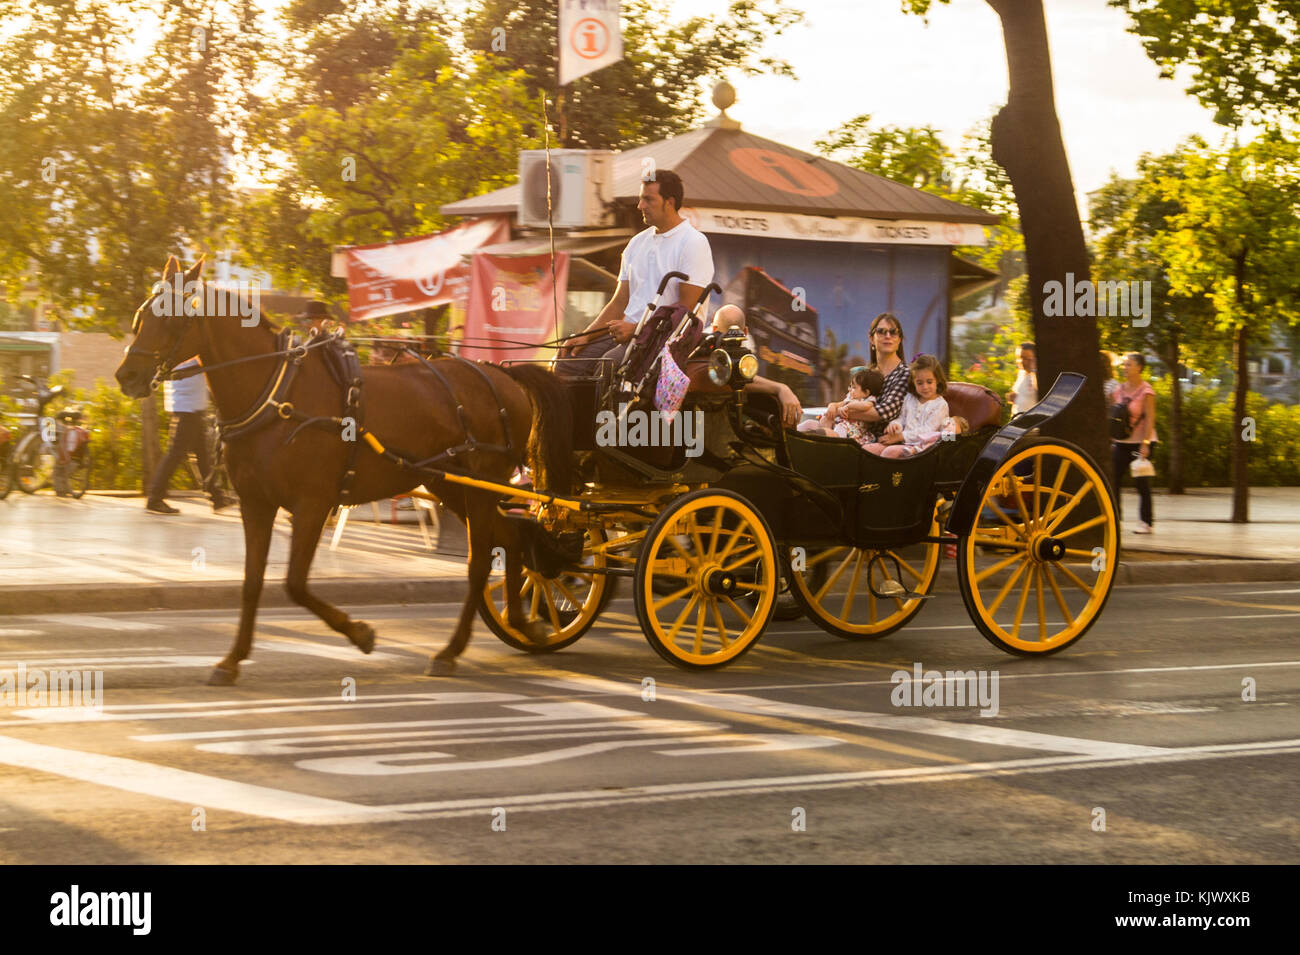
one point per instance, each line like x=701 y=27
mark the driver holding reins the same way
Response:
x=668 y=244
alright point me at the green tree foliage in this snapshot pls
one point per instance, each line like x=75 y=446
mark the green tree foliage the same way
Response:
x=1236 y=241
x=1242 y=53
x=1130 y=218
x=918 y=157
x=657 y=90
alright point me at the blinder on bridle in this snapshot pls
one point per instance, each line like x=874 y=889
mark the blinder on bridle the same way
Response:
x=173 y=329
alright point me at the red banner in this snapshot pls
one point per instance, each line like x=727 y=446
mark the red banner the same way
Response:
x=511 y=299
x=393 y=277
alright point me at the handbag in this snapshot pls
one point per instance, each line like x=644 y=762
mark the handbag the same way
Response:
x=1120 y=429
x=1142 y=467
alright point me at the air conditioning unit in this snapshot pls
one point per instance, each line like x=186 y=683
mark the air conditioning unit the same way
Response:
x=582 y=188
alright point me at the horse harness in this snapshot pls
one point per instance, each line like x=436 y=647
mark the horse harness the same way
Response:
x=341 y=360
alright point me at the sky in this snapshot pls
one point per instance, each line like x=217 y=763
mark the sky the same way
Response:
x=867 y=56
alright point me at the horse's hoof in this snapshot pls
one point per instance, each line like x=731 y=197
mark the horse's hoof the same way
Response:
x=222 y=676
x=538 y=633
x=362 y=636
x=441 y=667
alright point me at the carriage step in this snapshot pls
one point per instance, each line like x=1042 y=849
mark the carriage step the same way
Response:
x=890 y=588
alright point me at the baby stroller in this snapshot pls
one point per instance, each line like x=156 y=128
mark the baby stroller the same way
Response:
x=665 y=331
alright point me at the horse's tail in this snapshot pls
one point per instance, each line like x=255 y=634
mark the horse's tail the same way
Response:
x=550 y=446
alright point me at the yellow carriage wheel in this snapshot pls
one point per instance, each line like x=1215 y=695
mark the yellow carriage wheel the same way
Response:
x=566 y=605
x=702 y=555
x=834 y=588
x=1038 y=566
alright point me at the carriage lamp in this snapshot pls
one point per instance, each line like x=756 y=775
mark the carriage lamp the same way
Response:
x=731 y=362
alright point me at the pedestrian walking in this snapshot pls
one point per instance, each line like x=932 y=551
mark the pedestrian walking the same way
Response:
x=186 y=400
x=1133 y=430
x=1024 y=393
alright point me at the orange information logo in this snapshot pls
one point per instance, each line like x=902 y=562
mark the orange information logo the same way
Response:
x=782 y=171
x=589 y=38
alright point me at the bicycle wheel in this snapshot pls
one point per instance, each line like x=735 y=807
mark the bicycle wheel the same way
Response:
x=6 y=471
x=79 y=472
x=33 y=464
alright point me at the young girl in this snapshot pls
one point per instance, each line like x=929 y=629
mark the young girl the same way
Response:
x=924 y=412
x=863 y=390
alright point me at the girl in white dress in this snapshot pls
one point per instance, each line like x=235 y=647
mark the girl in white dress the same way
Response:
x=924 y=412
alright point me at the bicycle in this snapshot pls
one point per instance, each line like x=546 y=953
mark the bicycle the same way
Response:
x=55 y=452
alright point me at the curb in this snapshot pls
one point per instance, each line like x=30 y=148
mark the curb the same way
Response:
x=223 y=595
x=357 y=591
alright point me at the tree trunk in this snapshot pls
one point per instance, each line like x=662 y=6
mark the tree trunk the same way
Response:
x=1171 y=359
x=1240 y=477
x=1026 y=137
x=150 y=453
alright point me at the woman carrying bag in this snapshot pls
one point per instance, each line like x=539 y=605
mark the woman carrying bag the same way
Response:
x=1133 y=430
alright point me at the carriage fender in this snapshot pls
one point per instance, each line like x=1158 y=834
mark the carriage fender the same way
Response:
x=999 y=448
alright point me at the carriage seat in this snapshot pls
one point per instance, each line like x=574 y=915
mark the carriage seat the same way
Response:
x=977 y=404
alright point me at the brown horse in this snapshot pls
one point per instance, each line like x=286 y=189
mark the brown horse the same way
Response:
x=517 y=416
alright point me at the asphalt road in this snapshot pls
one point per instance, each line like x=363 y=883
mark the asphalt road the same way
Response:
x=1134 y=746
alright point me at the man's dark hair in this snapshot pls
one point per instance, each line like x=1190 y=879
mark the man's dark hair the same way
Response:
x=1031 y=346
x=670 y=186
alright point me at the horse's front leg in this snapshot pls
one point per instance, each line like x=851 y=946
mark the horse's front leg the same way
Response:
x=480 y=523
x=258 y=517
x=308 y=519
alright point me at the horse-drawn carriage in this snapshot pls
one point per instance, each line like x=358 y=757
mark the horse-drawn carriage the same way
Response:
x=712 y=536
x=855 y=540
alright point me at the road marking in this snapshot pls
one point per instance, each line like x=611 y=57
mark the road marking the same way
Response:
x=229 y=708
x=584 y=799
x=968 y=732
x=1257 y=593
x=14 y=632
x=192 y=789
x=92 y=622
x=348 y=654
x=1220 y=602
x=154 y=662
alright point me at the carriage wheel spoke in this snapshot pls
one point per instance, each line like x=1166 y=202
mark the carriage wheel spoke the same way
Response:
x=1056 y=592
x=671 y=598
x=1000 y=565
x=1018 y=490
x=853 y=587
x=722 y=627
x=1006 y=520
x=692 y=560
x=824 y=555
x=906 y=566
x=1038 y=483
x=1020 y=605
x=717 y=533
x=535 y=603
x=1092 y=522
x=1006 y=588
x=999 y=542
x=745 y=558
x=550 y=609
x=1056 y=489
x=1075 y=580
x=1055 y=519
x=699 y=628
x=736 y=607
x=677 y=624
x=830 y=581
x=731 y=541
x=1042 y=609
x=568 y=594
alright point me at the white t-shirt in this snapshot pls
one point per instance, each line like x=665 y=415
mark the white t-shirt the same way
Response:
x=651 y=255
x=1026 y=391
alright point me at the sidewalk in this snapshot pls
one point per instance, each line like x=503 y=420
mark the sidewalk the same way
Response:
x=105 y=553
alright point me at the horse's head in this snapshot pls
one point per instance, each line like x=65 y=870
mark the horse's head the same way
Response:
x=163 y=332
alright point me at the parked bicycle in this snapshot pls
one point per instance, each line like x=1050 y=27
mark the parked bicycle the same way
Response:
x=55 y=452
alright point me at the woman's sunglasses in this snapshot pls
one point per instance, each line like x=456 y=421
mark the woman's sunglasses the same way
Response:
x=891 y=332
